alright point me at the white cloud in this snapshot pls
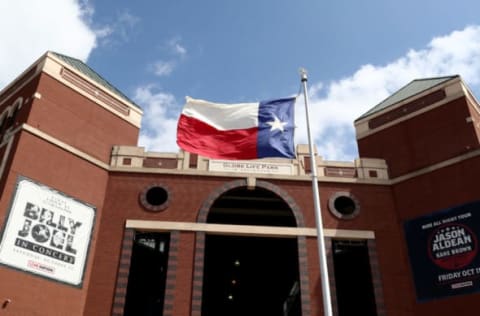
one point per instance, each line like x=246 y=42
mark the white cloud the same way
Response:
x=30 y=28
x=176 y=47
x=159 y=126
x=119 y=30
x=124 y=24
x=163 y=68
x=334 y=107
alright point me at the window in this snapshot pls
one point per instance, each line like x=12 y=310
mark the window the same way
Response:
x=154 y=198
x=148 y=273
x=343 y=205
x=353 y=278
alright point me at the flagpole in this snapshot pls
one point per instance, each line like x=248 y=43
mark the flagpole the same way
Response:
x=327 y=305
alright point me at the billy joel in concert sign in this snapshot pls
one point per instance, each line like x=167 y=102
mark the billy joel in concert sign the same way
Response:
x=47 y=233
x=443 y=250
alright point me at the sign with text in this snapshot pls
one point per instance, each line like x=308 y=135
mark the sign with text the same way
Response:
x=250 y=167
x=47 y=233
x=443 y=250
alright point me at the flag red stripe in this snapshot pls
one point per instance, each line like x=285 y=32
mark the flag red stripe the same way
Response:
x=197 y=137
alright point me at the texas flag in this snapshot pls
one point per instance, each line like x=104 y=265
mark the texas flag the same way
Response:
x=237 y=131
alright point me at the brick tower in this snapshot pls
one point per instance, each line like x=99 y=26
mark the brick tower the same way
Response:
x=58 y=122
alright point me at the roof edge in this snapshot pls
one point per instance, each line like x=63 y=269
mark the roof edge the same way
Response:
x=377 y=109
x=93 y=75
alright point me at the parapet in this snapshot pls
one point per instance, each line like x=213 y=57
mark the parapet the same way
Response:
x=136 y=159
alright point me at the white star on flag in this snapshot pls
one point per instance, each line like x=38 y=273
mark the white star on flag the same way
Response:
x=276 y=124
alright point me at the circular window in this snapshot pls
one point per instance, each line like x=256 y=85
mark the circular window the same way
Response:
x=344 y=205
x=154 y=198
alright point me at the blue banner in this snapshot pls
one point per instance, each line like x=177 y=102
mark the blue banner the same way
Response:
x=443 y=252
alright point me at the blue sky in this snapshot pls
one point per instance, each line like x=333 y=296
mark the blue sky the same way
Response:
x=157 y=52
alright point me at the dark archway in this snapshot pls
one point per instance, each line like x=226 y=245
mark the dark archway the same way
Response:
x=251 y=275
x=282 y=194
x=242 y=206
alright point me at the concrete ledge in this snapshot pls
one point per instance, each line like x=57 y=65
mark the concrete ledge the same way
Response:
x=247 y=230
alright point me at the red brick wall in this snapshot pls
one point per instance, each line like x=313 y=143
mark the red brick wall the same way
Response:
x=73 y=176
x=377 y=213
x=438 y=190
x=425 y=139
x=64 y=114
x=122 y=202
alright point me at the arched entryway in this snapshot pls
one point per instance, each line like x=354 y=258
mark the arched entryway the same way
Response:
x=247 y=274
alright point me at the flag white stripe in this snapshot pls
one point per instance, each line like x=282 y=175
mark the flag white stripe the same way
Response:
x=223 y=116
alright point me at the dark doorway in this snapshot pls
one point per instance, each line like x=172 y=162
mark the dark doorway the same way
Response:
x=147 y=276
x=353 y=278
x=250 y=276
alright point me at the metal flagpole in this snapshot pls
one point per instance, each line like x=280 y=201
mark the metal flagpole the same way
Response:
x=327 y=302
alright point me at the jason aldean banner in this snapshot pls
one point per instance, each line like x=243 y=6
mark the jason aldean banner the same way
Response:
x=47 y=233
x=443 y=251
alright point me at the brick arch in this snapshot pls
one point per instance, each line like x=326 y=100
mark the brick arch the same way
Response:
x=207 y=204
x=197 y=290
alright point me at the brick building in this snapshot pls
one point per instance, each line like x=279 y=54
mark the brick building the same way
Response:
x=91 y=224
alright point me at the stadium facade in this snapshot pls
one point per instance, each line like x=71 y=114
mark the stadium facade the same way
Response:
x=92 y=224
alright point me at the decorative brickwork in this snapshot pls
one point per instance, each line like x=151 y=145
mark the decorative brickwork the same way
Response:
x=123 y=271
x=303 y=273
x=408 y=108
x=342 y=172
x=198 y=275
x=93 y=91
x=164 y=163
x=376 y=278
x=171 y=273
x=331 y=275
x=159 y=193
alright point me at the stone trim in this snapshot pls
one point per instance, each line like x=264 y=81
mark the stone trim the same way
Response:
x=407 y=108
x=375 y=181
x=453 y=89
x=247 y=230
x=133 y=168
x=70 y=77
x=437 y=166
x=34 y=131
x=93 y=91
